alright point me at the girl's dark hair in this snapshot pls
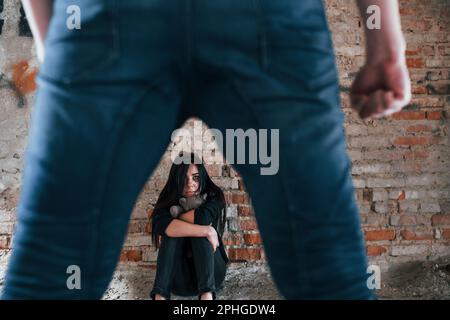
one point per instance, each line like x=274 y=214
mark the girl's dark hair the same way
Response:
x=173 y=190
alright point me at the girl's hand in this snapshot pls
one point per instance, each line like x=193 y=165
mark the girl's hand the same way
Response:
x=212 y=237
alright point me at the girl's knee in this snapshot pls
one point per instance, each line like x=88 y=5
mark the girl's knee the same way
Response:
x=170 y=241
x=201 y=243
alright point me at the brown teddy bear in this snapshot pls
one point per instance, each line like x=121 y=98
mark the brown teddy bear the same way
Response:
x=186 y=204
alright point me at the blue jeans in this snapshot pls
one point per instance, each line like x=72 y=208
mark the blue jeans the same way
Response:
x=111 y=93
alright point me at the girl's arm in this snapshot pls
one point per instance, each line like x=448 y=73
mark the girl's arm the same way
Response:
x=180 y=228
x=38 y=14
x=206 y=214
x=188 y=216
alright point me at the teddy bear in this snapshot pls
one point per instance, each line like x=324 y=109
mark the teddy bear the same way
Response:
x=186 y=204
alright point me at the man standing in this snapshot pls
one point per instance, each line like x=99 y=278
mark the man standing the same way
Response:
x=112 y=91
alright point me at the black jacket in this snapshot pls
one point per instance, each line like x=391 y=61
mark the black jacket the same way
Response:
x=207 y=213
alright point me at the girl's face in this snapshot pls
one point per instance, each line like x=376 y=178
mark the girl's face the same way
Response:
x=191 y=183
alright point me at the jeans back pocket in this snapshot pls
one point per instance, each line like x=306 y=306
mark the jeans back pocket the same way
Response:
x=82 y=38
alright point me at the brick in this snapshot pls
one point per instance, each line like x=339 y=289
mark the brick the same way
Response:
x=374 y=142
x=148 y=227
x=377 y=235
x=226 y=183
x=134 y=255
x=244 y=211
x=385 y=182
x=381 y=207
x=252 y=238
x=232 y=239
x=422 y=180
x=244 y=254
x=4 y=242
x=135 y=240
x=240 y=198
x=416 y=141
x=136 y=226
x=435 y=115
x=403 y=220
x=232 y=211
x=6 y=228
x=440 y=219
x=379 y=195
x=417 y=234
x=370 y=168
x=415 y=62
x=409 y=115
x=432 y=207
x=438 y=88
x=375 y=250
x=149 y=254
x=419 y=128
x=367 y=194
x=419 y=90
x=249 y=224
x=373 y=220
x=233 y=224
x=416 y=155
x=445 y=234
x=409 y=206
x=382 y=155
x=408 y=250
x=359 y=183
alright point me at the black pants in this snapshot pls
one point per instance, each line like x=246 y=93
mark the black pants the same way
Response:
x=188 y=266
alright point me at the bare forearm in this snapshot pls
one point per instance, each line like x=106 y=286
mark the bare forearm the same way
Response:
x=188 y=216
x=38 y=14
x=388 y=41
x=179 y=228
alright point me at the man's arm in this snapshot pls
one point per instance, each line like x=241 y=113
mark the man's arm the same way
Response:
x=38 y=14
x=382 y=87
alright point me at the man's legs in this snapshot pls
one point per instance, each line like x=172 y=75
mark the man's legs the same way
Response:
x=91 y=150
x=103 y=116
x=279 y=73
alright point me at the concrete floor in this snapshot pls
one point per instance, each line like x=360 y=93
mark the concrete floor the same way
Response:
x=411 y=280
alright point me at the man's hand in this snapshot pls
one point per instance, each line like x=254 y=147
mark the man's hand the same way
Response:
x=382 y=87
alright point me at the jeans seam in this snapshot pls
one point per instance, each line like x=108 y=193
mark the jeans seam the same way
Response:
x=102 y=181
x=303 y=281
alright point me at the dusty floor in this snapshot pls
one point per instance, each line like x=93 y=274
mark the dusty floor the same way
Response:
x=242 y=281
x=418 y=280
x=412 y=280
